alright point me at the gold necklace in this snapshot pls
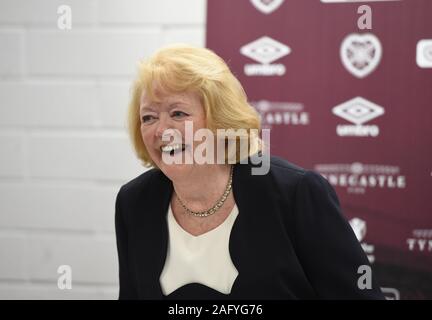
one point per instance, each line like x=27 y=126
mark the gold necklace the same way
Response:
x=218 y=204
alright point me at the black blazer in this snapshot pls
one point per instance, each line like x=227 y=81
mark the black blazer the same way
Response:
x=289 y=241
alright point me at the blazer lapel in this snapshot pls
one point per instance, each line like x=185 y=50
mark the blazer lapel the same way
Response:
x=153 y=236
x=252 y=196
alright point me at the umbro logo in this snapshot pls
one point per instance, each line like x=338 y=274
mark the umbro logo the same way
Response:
x=358 y=111
x=265 y=50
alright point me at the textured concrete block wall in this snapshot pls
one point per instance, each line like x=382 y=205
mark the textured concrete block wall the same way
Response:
x=64 y=151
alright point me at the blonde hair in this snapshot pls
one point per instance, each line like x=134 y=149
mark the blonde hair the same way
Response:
x=183 y=68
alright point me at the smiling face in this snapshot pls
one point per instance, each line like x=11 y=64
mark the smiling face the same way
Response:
x=171 y=112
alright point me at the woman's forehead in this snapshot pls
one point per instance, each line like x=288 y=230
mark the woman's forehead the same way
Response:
x=167 y=98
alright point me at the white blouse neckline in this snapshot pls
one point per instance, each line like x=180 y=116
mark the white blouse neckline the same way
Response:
x=203 y=259
x=228 y=220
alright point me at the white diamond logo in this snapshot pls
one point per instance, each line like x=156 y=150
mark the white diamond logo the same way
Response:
x=361 y=53
x=265 y=50
x=358 y=110
x=267 y=6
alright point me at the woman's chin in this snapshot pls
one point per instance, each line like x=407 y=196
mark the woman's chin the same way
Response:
x=175 y=171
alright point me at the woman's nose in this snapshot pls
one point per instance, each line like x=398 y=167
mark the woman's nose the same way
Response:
x=163 y=124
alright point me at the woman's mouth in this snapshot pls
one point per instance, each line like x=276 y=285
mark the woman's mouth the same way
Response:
x=173 y=148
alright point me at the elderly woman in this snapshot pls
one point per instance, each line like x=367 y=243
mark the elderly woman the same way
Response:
x=212 y=229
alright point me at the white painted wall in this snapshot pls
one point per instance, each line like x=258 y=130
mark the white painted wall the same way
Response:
x=64 y=151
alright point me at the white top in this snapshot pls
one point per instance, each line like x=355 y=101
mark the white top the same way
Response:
x=203 y=259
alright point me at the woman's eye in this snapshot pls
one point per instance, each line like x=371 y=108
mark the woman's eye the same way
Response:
x=178 y=114
x=147 y=118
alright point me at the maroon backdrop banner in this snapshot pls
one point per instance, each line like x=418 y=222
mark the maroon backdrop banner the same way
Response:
x=353 y=101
